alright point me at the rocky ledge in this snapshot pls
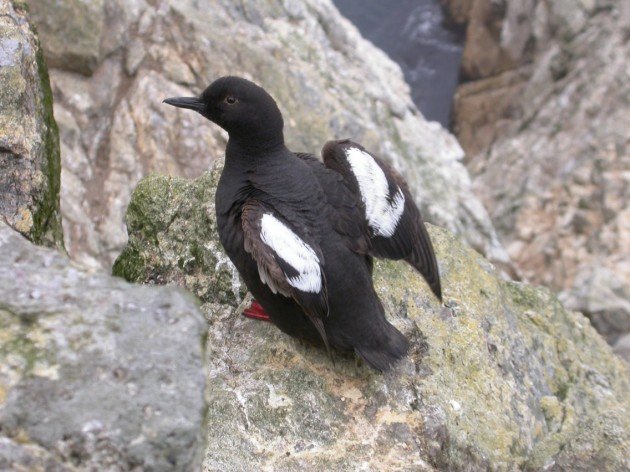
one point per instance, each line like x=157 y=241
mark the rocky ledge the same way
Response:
x=500 y=378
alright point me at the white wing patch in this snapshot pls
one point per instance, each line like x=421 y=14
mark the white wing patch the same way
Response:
x=382 y=213
x=292 y=249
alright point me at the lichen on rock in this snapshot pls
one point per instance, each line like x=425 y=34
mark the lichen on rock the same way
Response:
x=502 y=377
x=29 y=140
x=173 y=238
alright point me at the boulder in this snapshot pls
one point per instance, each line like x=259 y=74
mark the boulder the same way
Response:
x=502 y=377
x=29 y=141
x=95 y=373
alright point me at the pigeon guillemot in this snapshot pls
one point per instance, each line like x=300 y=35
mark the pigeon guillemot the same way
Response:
x=302 y=234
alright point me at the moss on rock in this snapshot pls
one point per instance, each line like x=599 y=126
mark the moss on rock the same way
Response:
x=29 y=139
x=173 y=238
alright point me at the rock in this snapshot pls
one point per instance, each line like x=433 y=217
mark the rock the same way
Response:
x=484 y=109
x=17 y=455
x=29 y=141
x=311 y=59
x=622 y=347
x=501 y=378
x=498 y=34
x=555 y=180
x=547 y=144
x=605 y=296
x=71 y=31
x=95 y=373
x=162 y=206
x=501 y=37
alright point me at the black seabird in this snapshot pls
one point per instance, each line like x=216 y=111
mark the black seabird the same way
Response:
x=302 y=234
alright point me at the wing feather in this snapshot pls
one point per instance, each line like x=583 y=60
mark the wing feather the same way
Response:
x=394 y=224
x=291 y=264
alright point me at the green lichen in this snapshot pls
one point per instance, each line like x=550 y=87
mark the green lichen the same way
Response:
x=33 y=208
x=17 y=340
x=47 y=229
x=130 y=265
x=20 y=6
x=173 y=237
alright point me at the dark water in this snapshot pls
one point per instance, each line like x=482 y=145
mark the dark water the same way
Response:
x=414 y=34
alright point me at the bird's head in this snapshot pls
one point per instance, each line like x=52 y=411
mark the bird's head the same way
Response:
x=242 y=108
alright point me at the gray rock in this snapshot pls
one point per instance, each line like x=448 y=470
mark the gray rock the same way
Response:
x=622 y=347
x=329 y=82
x=556 y=180
x=605 y=296
x=501 y=378
x=29 y=141
x=71 y=31
x=95 y=373
x=20 y=455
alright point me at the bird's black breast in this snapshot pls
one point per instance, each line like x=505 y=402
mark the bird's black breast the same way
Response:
x=276 y=190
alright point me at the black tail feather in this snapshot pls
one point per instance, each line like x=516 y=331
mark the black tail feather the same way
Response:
x=422 y=258
x=383 y=355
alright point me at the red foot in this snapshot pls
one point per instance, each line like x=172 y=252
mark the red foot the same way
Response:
x=256 y=312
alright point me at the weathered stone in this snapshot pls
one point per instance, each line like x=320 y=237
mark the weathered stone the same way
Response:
x=501 y=378
x=71 y=32
x=547 y=145
x=95 y=373
x=484 y=109
x=557 y=181
x=164 y=206
x=329 y=82
x=497 y=35
x=29 y=141
x=622 y=347
x=19 y=456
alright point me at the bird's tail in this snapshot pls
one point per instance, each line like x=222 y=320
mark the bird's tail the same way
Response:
x=422 y=258
x=384 y=351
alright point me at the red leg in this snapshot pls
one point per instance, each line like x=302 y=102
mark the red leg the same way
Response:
x=256 y=312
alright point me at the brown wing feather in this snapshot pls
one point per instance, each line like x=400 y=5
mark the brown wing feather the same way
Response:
x=275 y=271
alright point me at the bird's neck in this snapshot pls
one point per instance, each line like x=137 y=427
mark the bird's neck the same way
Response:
x=254 y=149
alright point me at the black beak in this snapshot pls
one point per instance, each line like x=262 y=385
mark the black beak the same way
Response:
x=192 y=103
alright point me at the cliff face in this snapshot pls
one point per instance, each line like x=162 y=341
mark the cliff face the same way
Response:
x=545 y=124
x=501 y=378
x=100 y=374
x=29 y=142
x=113 y=63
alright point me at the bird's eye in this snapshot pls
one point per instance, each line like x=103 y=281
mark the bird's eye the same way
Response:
x=230 y=100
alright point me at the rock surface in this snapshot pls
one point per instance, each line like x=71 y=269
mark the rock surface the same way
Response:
x=29 y=142
x=502 y=378
x=554 y=166
x=329 y=82
x=95 y=373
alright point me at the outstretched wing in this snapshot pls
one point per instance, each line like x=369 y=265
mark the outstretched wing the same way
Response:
x=394 y=223
x=288 y=263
